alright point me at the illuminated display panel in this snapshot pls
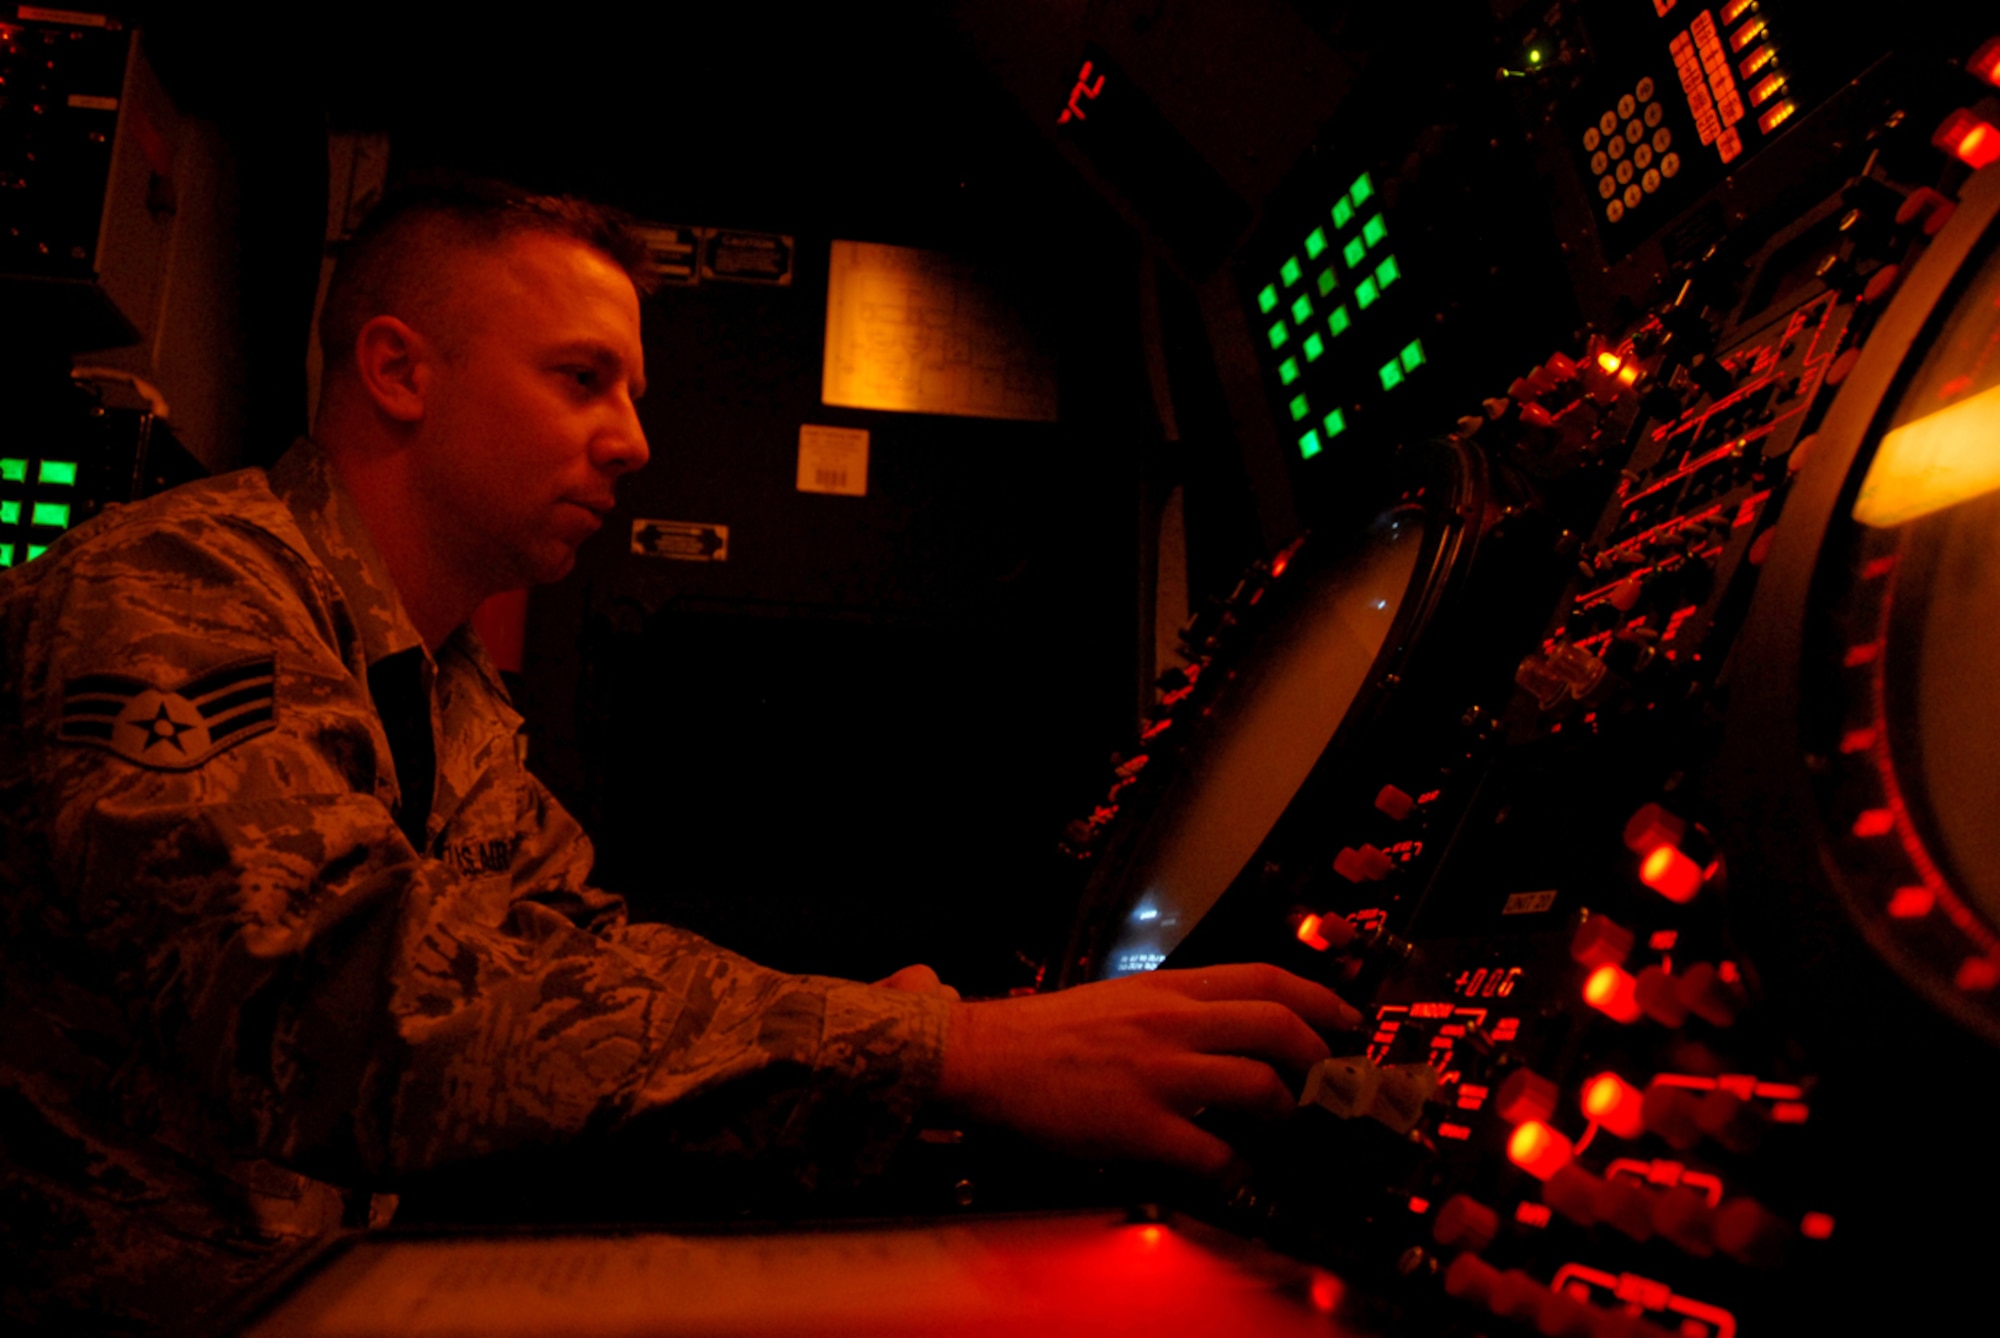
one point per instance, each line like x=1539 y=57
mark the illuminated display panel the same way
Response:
x=38 y=502
x=1352 y=235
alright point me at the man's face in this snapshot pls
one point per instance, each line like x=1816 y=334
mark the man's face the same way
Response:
x=531 y=417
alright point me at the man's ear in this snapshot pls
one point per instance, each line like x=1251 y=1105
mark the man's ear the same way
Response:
x=394 y=365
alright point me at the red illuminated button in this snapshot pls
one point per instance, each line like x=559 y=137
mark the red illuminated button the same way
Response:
x=1985 y=61
x=1526 y=1095
x=1572 y=1191
x=1560 y=367
x=1615 y=1105
x=1670 y=873
x=1609 y=990
x=1322 y=932
x=1601 y=941
x=1394 y=802
x=1931 y=206
x=1729 y=1120
x=1653 y=826
x=1626 y=1206
x=1470 y=1278
x=1750 y=1233
x=1534 y=415
x=1464 y=1223
x=1626 y=594
x=1683 y=1217
x=1969 y=137
x=1538 y=1149
x=1708 y=996
x=1366 y=865
x=1517 y=1296
x=1881 y=282
x=1670 y=1112
x=1658 y=998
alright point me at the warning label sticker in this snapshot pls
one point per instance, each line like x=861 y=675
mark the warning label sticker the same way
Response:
x=681 y=540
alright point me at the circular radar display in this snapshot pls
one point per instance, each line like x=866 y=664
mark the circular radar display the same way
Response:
x=1901 y=691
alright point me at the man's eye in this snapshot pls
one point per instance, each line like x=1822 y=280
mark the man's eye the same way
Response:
x=585 y=377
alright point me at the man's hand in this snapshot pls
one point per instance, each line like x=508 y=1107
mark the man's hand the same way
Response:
x=918 y=979
x=1120 y=1069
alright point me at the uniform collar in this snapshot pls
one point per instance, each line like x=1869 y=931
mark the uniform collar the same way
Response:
x=305 y=480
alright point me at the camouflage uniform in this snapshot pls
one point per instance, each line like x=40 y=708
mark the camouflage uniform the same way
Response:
x=245 y=964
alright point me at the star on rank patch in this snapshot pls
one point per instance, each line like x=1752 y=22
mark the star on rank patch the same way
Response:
x=171 y=729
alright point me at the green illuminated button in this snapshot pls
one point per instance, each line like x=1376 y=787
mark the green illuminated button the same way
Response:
x=1315 y=243
x=10 y=513
x=1302 y=310
x=1334 y=424
x=13 y=471
x=1388 y=271
x=1391 y=374
x=1343 y=212
x=1309 y=444
x=1339 y=321
x=1413 y=355
x=1354 y=250
x=1361 y=190
x=36 y=550
x=1277 y=335
x=1374 y=230
x=1327 y=283
x=1366 y=293
x=1288 y=370
x=1290 y=271
x=51 y=513
x=1268 y=298
x=57 y=471
x=1299 y=407
x=1314 y=346
x=6 y=555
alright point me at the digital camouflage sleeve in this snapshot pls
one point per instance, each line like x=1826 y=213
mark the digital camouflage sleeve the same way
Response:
x=245 y=969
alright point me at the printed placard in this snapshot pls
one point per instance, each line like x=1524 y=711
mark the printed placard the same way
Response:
x=833 y=459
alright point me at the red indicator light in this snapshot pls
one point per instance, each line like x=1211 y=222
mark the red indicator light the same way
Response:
x=1977 y=974
x=1279 y=563
x=1663 y=940
x=1532 y=1214
x=1968 y=138
x=1857 y=741
x=1985 y=62
x=1735 y=10
x=1912 y=903
x=1671 y=874
x=1310 y=936
x=1767 y=88
x=1789 y=1112
x=1610 y=362
x=1615 y=1105
x=1777 y=116
x=1538 y=1149
x=1419 y=1204
x=1863 y=654
x=1816 y=1226
x=1458 y=1131
x=1609 y=990
x=1875 y=822
x=1151 y=1234
x=1326 y=1292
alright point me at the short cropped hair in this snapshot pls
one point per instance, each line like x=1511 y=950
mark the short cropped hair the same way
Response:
x=396 y=262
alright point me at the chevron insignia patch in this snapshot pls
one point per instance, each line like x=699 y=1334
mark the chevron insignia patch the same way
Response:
x=171 y=729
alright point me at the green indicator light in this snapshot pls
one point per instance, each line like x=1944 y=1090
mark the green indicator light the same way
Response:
x=1315 y=243
x=1288 y=370
x=1309 y=444
x=14 y=471
x=1366 y=294
x=1354 y=250
x=51 y=513
x=1302 y=310
x=57 y=471
x=1391 y=374
x=6 y=555
x=36 y=550
x=1277 y=335
x=1339 y=321
x=1299 y=407
x=1413 y=355
x=10 y=513
x=1388 y=271
x=1268 y=298
x=1361 y=190
x=1335 y=424
x=1327 y=283
x=1314 y=346
x=1374 y=230
x=1534 y=55
x=1290 y=271
x=1343 y=212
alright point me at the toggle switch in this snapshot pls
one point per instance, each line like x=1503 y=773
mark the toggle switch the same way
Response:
x=1669 y=1111
x=1658 y=996
x=1526 y=1095
x=1464 y=1223
x=1601 y=941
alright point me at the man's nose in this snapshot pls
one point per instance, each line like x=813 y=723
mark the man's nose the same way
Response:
x=622 y=448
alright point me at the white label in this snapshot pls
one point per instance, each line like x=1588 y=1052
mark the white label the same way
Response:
x=1528 y=903
x=833 y=459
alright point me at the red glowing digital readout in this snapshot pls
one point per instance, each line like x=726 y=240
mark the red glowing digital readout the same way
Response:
x=1487 y=982
x=1084 y=90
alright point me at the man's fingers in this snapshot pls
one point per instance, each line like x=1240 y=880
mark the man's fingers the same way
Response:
x=1267 y=1031
x=1177 y=1143
x=1319 y=1006
x=1228 y=1083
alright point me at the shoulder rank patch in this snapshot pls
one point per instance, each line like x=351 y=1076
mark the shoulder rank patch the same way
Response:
x=171 y=729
